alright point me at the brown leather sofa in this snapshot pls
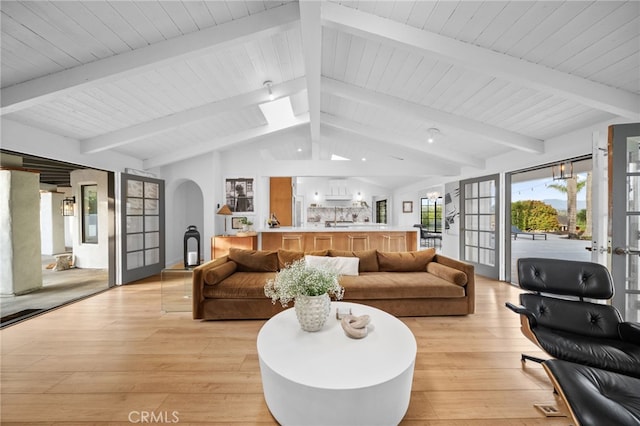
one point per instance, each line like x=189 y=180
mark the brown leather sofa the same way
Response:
x=420 y=283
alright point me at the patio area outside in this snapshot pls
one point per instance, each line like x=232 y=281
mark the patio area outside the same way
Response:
x=556 y=246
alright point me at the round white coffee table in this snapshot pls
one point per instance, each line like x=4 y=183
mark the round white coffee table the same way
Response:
x=326 y=378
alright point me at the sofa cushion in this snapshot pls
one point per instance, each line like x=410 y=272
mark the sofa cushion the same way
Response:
x=368 y=258
x=396 y=285
x=448 y=273
x=241 y=285
x=254 y=260
x=405 y=261
x=342 y=265
x=287 y=257
x=214 y=275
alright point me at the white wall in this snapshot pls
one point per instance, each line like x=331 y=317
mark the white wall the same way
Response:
x=20 y=258
x=51 y=223
x=89 y=255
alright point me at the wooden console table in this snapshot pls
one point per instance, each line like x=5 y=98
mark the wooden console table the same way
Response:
x=220 y=244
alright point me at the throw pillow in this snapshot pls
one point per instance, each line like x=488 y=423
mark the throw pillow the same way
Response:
x=407 y=261
x=342 y=265
x=447 y=273
x=63 y=262
x=254 y=260
x=215 y=275
x=368 y=258
x=287 y=257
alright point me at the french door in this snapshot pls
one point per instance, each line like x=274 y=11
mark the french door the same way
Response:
x=624 y=217
x=480 y=233
x=142 y=213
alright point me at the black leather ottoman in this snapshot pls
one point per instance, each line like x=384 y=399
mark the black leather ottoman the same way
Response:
x=594 y=396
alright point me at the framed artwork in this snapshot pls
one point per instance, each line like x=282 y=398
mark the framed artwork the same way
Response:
x=407 y=207
x=236 y=222
x=239 y=194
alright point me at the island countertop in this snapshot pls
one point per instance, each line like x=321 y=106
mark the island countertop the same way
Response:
x=342 y=228
x=343 y=237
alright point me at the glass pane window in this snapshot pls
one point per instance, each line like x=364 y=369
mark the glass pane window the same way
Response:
x=431 y=214
x=89 y=214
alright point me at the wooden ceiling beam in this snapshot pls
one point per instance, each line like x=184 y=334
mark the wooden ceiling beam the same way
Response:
x=311 y=28
x=386 y=136
x=528 y=74
x=163 y=124
x=221 y=143
x=252 y=27
x=422 y=112
x=376 y=146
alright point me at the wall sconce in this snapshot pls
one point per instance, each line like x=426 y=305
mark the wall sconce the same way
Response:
x=68 y=206
x=268 y=84
x=563 y=170
x=359 y=196
x=316 y=196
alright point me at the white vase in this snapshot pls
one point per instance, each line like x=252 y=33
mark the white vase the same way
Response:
x=312 y=311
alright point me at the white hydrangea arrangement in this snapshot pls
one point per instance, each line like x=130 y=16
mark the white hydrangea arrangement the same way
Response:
x=300 y=279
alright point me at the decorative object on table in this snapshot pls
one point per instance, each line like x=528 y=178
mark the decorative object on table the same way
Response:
x=355 y=327
x=225 y=211
x=246 y=227
x=191 y=258
x=246 y=224
x=310 y=288
x=273 y=221
x=237 y=221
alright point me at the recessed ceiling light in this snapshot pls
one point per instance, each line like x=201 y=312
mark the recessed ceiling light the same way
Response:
x=431 y=134
x=299 y=149
x=364 y=159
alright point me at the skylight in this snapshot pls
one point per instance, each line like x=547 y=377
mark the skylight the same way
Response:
x=335 y=157
x=278 y=111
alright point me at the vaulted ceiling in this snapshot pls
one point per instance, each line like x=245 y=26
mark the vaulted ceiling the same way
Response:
x=163 y=81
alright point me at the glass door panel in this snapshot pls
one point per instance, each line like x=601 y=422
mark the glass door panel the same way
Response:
x=479 y=237
x=143 y=225
x=624 y=178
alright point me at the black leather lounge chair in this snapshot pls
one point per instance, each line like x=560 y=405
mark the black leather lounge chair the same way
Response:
x=555 y=316
x=595 y=397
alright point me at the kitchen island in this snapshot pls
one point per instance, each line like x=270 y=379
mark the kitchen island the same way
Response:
x=353 y=237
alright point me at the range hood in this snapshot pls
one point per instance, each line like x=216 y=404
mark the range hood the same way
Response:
x=338 y=197
x=338 y=191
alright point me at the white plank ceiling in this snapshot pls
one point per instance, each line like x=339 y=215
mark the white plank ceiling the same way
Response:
x=162 y=81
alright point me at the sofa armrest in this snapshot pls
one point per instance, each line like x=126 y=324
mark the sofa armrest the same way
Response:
x=629 y=332
x=198 y=284
x=468 y=269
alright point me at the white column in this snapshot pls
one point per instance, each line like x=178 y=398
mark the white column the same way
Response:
x=20 y=258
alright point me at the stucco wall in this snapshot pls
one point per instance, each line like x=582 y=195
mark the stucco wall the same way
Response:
x=20 y=258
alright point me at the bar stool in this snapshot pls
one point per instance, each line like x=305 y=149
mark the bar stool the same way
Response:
x=399 y=240
x=362 y=240
x=322 y=242
x=292 y=242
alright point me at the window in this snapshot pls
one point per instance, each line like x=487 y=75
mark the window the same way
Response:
x=89 y=214
x=381 y=211
x=431 y=214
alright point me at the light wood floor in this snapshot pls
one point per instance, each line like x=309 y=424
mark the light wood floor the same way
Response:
x=103 y=360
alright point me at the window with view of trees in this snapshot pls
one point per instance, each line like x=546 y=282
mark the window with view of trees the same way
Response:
x=431 y=214
x=381 y=211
